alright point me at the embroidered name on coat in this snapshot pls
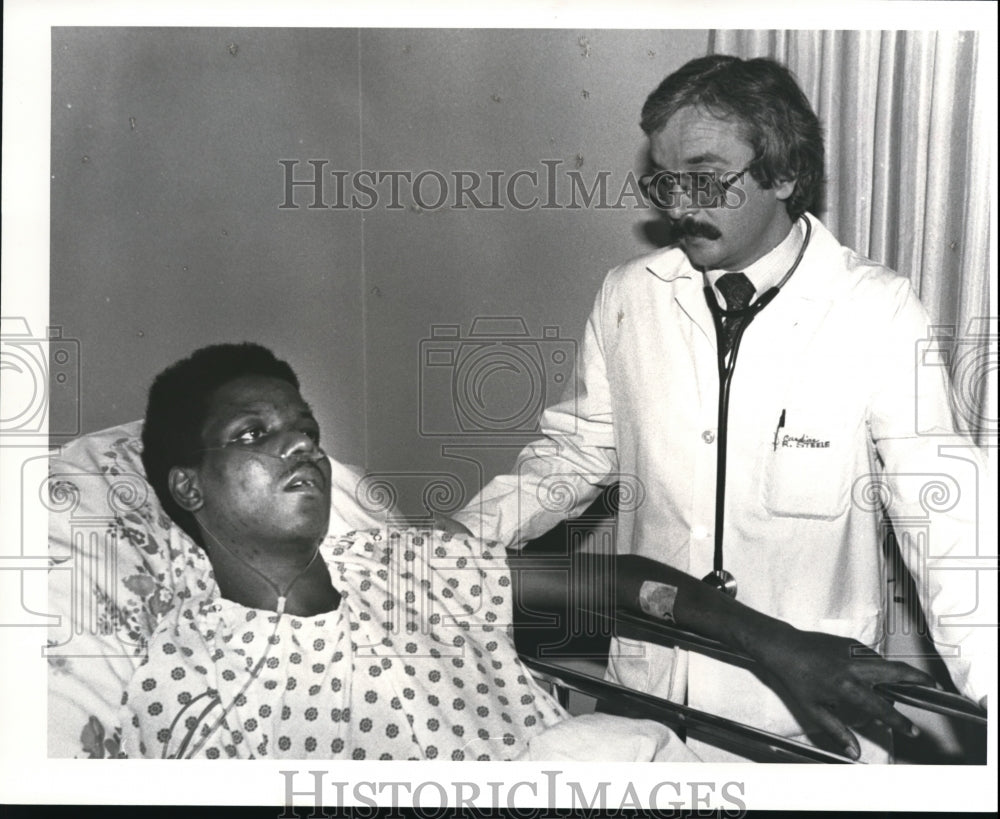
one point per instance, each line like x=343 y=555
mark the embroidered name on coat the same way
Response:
x=803 y=442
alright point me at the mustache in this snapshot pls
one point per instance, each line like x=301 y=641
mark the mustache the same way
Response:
x=689 y=226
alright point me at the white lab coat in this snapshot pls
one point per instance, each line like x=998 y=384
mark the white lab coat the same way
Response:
x=837 y=352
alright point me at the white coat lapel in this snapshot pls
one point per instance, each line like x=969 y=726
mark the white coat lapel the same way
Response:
x=688 y=286
x=690 y=297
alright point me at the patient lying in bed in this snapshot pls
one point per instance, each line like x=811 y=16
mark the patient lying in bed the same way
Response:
x=272 y=638
x=372 y=645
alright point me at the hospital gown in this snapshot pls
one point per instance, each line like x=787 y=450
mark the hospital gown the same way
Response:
x=415 y=663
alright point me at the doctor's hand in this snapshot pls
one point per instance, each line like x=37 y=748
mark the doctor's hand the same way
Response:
x=452 y=527
x=832 y=679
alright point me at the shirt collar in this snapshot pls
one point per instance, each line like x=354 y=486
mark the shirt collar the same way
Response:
x=770 y=268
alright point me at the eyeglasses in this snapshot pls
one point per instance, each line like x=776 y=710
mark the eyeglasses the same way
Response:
x=704 y=189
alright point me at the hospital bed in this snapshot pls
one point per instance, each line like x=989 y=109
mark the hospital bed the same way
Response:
x=118 y=564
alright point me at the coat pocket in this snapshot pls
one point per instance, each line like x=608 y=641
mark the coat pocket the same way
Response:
x=807 y=468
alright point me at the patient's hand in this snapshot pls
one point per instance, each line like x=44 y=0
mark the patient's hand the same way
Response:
x=832 y=679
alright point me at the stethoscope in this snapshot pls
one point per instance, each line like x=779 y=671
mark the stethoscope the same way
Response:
x=719 y=578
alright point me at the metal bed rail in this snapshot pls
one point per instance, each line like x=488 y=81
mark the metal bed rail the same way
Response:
x=760 y=744
x=751 y=742
x=919 y=696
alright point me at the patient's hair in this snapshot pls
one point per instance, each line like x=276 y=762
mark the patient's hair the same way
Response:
x=178 y=405
x=763 y=97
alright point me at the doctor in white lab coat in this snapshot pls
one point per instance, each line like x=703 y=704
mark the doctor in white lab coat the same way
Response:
x=835 y=416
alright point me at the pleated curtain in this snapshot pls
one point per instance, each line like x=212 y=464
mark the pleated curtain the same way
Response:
x=906 y=117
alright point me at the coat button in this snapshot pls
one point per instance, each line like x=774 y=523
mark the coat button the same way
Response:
x=708 y=436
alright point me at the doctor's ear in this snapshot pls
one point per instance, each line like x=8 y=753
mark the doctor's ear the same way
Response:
x=183 y=483
x=783 y=188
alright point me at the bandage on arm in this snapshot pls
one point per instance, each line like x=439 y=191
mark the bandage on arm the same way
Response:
x=657 y=600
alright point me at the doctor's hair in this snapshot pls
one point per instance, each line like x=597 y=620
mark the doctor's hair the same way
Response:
x=177 y=409
x=764 y=98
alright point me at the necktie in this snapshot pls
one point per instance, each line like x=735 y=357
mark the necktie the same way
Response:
x=737 y=290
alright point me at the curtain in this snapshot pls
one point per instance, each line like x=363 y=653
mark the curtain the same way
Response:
x=906 y=121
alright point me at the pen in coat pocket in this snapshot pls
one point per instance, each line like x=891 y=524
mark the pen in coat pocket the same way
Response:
x=777 y=429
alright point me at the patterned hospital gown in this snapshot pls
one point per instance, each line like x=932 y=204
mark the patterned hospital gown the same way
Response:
x=415 y=663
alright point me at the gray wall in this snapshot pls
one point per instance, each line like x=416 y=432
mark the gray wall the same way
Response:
x=167 y=230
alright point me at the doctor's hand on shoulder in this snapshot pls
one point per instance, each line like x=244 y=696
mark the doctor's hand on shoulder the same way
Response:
x=832 y=679
x=452 y=526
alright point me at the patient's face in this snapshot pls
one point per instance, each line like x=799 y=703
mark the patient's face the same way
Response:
x=264 y=481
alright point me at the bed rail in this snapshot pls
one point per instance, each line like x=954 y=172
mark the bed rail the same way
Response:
x=919 y=696
x=751 y=742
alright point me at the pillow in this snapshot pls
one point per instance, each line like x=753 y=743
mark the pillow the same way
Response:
x=117 y=565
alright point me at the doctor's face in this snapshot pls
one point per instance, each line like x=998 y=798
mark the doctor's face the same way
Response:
x=263 y=479
x=753 y=220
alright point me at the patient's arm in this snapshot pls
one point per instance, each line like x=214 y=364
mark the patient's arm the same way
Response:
x=830 y=678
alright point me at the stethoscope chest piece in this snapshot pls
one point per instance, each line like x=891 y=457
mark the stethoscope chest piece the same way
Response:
x=722 y=580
